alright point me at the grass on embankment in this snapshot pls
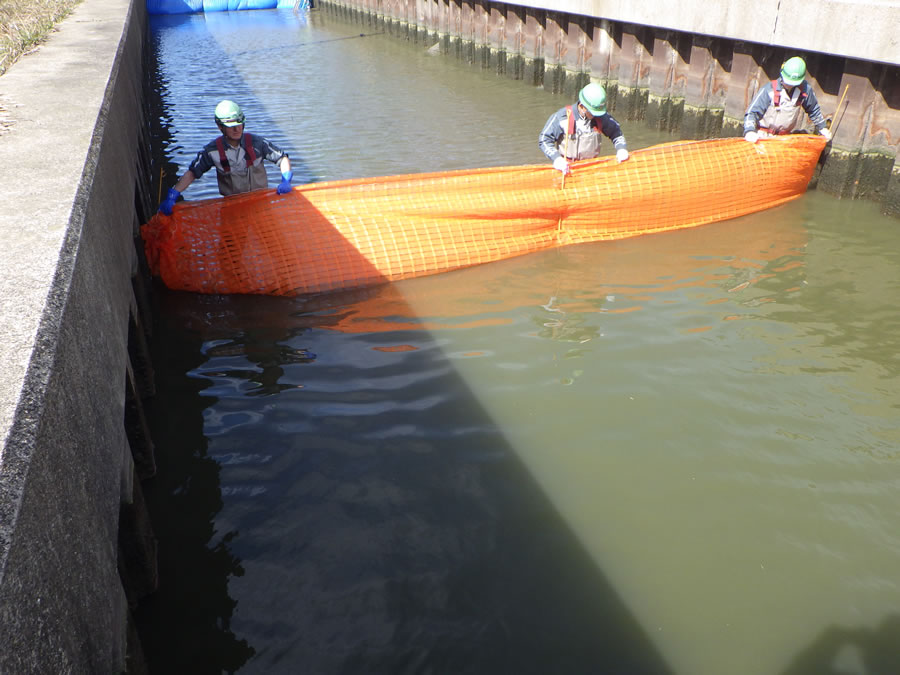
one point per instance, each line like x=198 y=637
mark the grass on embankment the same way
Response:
x=25 y=24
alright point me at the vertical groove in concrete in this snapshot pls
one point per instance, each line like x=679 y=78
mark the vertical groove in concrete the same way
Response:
x=694 y=86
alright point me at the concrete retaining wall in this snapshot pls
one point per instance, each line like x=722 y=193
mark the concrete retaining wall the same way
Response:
x=865 y=30
x=75 y=544
x=689 y=68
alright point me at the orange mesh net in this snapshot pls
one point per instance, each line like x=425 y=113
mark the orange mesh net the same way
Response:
x=353 y=233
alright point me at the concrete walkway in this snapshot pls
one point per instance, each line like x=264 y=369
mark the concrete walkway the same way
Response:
x=71 y=119
x=50 y=102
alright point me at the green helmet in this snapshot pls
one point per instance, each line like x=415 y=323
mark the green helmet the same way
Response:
x=229 y=114
x=793 y=71
x=593 y=97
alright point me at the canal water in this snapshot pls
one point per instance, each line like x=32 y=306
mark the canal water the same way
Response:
x=674 y=454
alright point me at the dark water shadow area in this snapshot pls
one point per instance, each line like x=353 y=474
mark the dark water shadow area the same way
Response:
x=419 y=554
x=185 y=626
x=839 y=650
x=425 y=550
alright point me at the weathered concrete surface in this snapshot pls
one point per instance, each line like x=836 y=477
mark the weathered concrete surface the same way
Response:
x=866 y=30
x=72 y=114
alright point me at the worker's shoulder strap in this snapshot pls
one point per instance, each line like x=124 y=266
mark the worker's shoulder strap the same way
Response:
x=223 y=160
x=248 y=148
x=247 y=140
x=570 y=121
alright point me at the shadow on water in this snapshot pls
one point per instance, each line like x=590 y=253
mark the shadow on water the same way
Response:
x=415 y=552
x=838 y=651
x=185 y=625
x=428 y=556
x=426 y=552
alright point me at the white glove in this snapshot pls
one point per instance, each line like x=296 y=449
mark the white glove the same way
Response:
x=621 y=155
x=560 y=164
x=826 y=133
x=751 y=136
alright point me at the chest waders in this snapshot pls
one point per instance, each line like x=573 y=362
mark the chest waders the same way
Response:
x=785 y=114
x=232 y=182
x=579 y=144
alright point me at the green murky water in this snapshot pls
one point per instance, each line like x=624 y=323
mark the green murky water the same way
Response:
x=678 y=453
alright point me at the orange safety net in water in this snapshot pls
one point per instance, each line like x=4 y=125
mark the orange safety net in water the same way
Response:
x=360 y=232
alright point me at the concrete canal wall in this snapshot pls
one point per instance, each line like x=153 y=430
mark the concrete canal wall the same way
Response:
x=76 y=549
x=691 y=68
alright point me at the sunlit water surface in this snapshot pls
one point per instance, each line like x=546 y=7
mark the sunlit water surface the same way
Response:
x=671 y=454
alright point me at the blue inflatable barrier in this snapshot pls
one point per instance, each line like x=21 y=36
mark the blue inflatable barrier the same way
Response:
x=194 y=6
x=174 y=6
x=234 y=5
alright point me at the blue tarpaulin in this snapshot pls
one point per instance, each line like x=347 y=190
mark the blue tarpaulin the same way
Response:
x=194 y=6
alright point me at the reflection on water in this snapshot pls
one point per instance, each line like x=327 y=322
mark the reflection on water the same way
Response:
x=384 y=524
x=841 y=650
x=670 y=454
x=186 y=625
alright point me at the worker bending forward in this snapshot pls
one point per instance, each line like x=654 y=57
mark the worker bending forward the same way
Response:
x=238 y=159
x=574 y=131
x=781 y=104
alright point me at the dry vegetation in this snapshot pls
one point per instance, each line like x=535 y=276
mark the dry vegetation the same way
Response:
x=25 y=24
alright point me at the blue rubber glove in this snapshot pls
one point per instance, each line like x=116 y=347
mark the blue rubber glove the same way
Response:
x=285 y=184
x=169 y=201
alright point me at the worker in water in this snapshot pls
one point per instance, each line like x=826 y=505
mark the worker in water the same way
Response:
x=573 y=132
x=238 y=159
x=779 y=106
